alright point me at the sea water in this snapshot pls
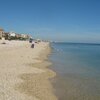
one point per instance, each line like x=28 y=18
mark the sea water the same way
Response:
x=78 y=71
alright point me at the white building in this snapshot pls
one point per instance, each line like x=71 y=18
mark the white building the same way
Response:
x=12 y=34
x=23 y=35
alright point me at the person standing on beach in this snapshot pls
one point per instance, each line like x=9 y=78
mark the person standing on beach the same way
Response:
x=32 y=46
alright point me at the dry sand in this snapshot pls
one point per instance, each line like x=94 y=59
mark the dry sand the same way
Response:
x=23 y=71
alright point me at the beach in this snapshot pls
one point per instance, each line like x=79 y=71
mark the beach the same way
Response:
x=24 y=72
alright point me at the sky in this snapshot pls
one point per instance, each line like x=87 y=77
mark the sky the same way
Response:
x=57 y=20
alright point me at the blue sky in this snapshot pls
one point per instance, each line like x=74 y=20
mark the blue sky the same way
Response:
x=59 y=20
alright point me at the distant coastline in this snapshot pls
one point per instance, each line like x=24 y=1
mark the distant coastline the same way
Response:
x=90 y=43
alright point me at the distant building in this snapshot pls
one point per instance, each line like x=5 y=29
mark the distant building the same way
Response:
x=6 y=35
x=25 y=36
x=12 y=34
x=29 y=36
x=18 y=36
x=1 y=32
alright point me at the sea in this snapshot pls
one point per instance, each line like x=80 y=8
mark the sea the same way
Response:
x=77 y=66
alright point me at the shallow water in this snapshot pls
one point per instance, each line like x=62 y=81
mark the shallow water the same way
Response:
x=78 y=71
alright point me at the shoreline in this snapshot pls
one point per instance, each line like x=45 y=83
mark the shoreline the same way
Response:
x=27 y=73
x=39 y=85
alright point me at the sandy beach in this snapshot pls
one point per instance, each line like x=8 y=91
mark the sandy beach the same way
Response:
x=24 y=72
